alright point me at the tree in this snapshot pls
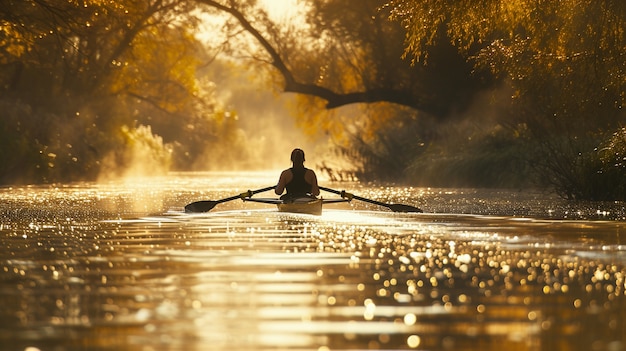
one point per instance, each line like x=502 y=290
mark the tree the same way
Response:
x=344 y=61
x=87 y=82
x=566 y=56
x=348 y=52
x=564 y=61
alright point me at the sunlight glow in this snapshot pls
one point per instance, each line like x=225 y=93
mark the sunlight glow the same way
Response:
x=283 y=10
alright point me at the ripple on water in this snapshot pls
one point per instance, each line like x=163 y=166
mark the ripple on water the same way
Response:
x=350 y=279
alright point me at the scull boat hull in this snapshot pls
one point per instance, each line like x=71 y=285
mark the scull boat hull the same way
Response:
x=302 y=205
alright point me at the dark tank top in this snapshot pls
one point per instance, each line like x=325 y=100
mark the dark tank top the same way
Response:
x=298 y=186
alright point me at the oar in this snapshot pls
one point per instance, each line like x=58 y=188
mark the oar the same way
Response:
x=207 y=205
x=393 y=207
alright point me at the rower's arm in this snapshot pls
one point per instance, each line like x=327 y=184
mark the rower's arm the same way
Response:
x=315 y=190
x=282 y=182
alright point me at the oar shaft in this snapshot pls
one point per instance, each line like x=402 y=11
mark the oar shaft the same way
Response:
x=207 y=205
x=345 y=194
x=393 y=207
x=248 y=193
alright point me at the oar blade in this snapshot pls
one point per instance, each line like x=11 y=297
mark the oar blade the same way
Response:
x=404 y=208
x=200 y=206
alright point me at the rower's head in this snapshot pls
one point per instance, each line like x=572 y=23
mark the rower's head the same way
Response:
x=297 y=156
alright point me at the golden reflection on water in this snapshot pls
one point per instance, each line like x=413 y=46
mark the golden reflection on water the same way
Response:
x=84 y=267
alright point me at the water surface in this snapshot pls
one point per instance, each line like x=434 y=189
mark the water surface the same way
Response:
x=119 y=266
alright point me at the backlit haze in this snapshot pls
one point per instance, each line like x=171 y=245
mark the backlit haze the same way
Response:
x=283 y=10
x=266 y=116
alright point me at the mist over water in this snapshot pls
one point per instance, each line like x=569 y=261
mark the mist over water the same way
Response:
x=267 y=121
x=118 y=265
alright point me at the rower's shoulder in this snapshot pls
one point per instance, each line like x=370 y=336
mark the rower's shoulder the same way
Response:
x=310 y=173
x=286 y=174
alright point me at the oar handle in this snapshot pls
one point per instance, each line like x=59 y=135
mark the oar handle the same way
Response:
x=246 y=194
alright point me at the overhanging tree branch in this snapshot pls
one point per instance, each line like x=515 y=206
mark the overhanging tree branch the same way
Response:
x=333 y=99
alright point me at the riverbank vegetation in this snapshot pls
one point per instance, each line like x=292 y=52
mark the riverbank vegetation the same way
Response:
x=423 y=92
x=88 y=87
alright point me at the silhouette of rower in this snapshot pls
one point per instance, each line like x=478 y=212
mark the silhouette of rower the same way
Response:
x=298 y=180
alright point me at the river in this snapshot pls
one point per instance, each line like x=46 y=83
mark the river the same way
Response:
x=120 y=266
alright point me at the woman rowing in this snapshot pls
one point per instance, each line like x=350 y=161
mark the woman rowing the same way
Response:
x=297 y=180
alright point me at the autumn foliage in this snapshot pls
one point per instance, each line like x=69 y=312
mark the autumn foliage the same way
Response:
x=426 y=92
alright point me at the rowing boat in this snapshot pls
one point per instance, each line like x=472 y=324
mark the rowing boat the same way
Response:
x=302 y=205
